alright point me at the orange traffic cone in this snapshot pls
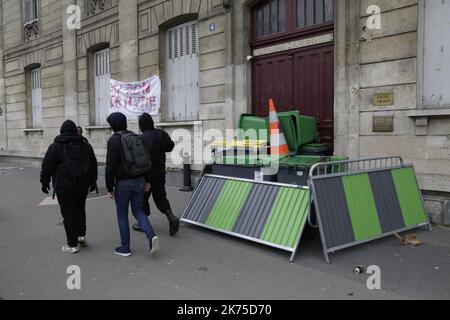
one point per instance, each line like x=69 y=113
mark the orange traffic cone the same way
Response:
x=278 y=144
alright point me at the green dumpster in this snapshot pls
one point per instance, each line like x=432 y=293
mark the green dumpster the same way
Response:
x=305 y=127
x=289 y=130
x=252 y=122
x=295 y=170
x=314 y=149
x=299 y=130
x=337 y=168
x=243 y=167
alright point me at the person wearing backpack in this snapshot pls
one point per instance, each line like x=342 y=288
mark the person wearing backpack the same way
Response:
x=70 y=164
x=127 y=171
x=159 y=143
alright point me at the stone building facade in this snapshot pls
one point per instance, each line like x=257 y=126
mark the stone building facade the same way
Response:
x=368 y=85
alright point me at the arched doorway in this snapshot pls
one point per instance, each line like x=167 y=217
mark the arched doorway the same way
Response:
x=293 y=48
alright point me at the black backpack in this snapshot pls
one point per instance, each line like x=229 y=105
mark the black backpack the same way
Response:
x=137 y=160
x=76 y=163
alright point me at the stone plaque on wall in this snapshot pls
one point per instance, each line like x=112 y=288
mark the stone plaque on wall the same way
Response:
x=383 y=124
x=383 y=99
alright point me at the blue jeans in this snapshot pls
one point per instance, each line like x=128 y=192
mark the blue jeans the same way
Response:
x=126 y=192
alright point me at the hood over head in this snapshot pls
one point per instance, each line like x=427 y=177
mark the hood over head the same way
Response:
x=68 y=128
x=146 y=122
x=68 y=133
x=117 y=121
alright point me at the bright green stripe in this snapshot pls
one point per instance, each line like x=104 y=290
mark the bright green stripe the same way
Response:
x=409 y=196
x=229 y=204
x=361 y=205
x=287 y=217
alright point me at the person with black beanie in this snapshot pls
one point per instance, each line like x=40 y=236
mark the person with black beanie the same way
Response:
x=70 y=164
x=125 y=188
x=159 y=143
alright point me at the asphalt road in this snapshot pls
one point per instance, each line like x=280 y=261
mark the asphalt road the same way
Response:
x=196 y=264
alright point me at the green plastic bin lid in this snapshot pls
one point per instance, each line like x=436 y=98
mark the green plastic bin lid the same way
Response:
x=305 y=128
x=302 y=161
x=314 y=147
x=251 y=122
x=248 y=160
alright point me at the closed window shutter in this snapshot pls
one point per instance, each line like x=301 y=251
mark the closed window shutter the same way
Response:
x=194 y=39
x=102 y=83
x=436 y=68
x=192 y=69
x=36 y=98
x=182 y=72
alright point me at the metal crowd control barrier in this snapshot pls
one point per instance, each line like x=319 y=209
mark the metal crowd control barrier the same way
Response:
x=362 y=200
x=271 y=214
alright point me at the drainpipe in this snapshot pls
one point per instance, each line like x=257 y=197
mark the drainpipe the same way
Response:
x=4 y=132
x=229 y=69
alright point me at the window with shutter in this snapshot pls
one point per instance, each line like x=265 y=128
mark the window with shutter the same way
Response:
x=36 y=98
x=182 y=72
x=102 y=77
x=436 y=54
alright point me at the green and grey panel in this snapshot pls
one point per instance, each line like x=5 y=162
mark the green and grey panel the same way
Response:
x=356 y=208
x=271 y=214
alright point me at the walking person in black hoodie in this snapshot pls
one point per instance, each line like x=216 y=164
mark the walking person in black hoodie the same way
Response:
x=124 y=186
x=159 y=143
x=71 y=165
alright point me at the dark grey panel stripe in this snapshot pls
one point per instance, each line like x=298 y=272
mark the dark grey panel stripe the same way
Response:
x=204 y=200
x=256 y=210
x=334 y=213
x=388 y=206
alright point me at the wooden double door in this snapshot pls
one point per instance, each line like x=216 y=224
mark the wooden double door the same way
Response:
x=298 y=80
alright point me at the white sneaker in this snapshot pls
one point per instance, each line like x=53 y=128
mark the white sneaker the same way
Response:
x=67 y=249
x=155 y=246
x=82 y=242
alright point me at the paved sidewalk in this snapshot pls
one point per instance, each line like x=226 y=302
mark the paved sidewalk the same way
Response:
x=196 y=264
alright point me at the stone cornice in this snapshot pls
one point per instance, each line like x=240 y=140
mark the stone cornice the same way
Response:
x=39 y=43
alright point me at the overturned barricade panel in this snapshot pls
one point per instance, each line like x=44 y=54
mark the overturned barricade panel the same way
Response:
x=363 y=200
x=268 y=213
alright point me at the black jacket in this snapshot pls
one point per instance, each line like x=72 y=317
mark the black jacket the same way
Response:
x=54 y=158
x=158 y=141
x=115 y=165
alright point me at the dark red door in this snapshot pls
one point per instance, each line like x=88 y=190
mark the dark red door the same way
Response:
x=313 y=82
x=299 y=80
x=272 y=78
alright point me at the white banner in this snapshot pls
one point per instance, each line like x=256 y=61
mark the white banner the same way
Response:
x=133 y=99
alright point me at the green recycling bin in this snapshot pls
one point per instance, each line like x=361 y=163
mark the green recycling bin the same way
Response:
x=252 y=122
x=314 y=149
x=243 y=167
x=305 y=127
x=295 y=170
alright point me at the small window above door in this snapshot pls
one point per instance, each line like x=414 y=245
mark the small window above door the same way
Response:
x=279 y=18
x=314 y=12
x=270 y=18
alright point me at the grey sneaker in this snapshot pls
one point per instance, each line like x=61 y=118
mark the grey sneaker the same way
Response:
x=82 y=242
x=67 y=249
x=154 y=246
